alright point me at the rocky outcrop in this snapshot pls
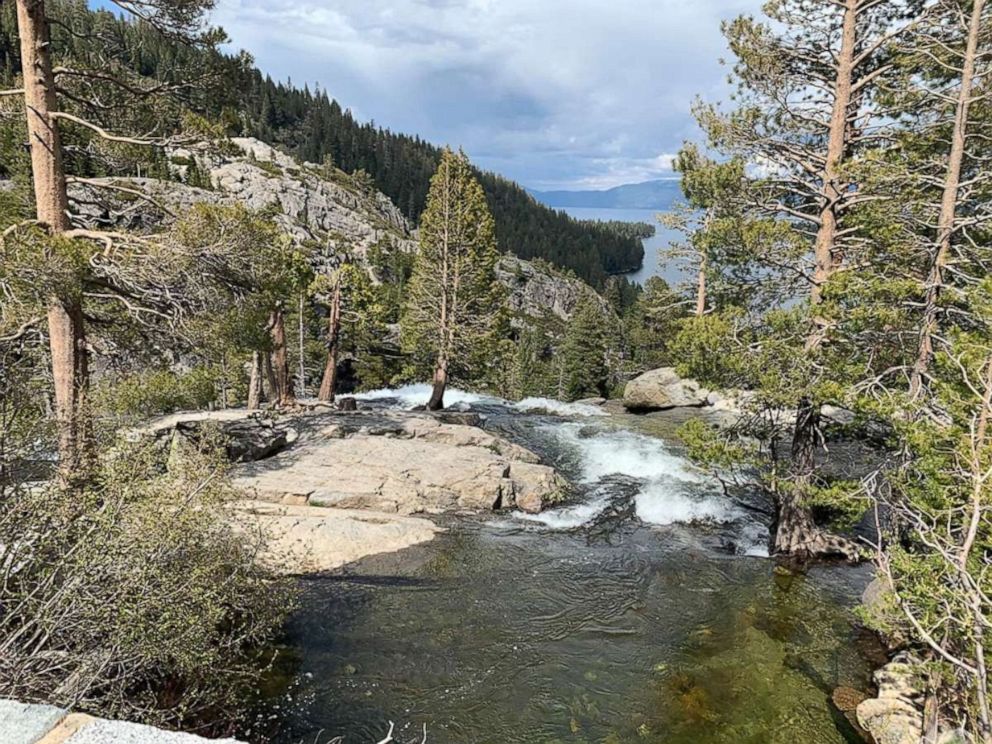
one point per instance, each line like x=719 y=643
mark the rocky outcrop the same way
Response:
x=662 y=389
x=894 y=716
x=320 y=206
x=247 y=435
x=537 y=289
x=402 y=463
x=314 y=204
x=301 y=539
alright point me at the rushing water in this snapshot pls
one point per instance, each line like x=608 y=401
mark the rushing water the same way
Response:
x=640 y=612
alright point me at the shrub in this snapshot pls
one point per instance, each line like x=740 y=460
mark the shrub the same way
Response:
x=155 y=392
x=135 y=598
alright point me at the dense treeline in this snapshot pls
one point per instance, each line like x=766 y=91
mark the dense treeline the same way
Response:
x=314 y=127
x=639 y=230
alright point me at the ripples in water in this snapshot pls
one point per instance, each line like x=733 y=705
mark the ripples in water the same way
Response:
x=630 y=615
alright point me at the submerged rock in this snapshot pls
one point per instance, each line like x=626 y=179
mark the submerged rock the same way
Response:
x=661 y=389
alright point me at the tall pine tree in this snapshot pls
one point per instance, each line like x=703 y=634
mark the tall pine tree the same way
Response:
x=451 y=304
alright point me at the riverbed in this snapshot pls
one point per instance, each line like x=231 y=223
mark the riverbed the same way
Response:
x=645 y=610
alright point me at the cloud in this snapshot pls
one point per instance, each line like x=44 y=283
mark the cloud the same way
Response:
x=552 y=93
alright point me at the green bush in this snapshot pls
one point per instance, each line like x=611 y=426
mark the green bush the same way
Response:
x=135 y=598
x=156 y=392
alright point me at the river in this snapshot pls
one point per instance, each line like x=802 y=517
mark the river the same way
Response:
x=654 y=263
x=645 y=610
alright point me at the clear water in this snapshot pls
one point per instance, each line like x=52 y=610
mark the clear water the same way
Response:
x=637 y=613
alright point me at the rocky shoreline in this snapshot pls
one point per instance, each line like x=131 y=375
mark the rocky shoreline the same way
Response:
x=326 y=488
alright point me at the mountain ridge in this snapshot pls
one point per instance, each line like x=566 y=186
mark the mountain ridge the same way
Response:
x=655 y=194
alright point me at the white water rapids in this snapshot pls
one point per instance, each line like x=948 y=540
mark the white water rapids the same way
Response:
x=670 y=490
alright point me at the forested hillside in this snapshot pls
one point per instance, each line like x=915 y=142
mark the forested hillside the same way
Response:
x=314 y=127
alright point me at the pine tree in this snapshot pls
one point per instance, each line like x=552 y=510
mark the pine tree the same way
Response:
x=451 y=305
x=585 y=350
x=101 y=104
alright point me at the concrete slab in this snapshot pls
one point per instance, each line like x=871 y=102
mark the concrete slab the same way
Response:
x=21 y=723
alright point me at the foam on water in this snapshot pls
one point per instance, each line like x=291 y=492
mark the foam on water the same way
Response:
x=671 y=490
x=663 y=503
x=410 y=396
x=572 y=516
x=604 y=452
x=557 y=407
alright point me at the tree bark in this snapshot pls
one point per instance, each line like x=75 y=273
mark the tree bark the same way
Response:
x=701 y=288
x=255 y=382
x=826 y=255
x=948 y=206
x=329 y=381
x=796 y=533
x=67 y=337
x=280 y=360
x=436 y=402
x=271 y=391
x=302 y=383
x=70 y=375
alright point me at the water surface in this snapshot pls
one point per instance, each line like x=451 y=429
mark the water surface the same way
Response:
x=655 y=264
x=641 y=612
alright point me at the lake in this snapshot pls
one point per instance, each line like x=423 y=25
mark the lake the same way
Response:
x=654 y=263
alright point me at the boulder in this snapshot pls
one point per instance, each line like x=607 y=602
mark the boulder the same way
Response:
x=402 y=463
x=248 y=440
x=248 y=435
x=535 y=487
x=895 y=715
x=460 y=418
x=837 y=415
x=661 y=389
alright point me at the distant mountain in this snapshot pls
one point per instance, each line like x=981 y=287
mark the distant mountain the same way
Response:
x=648 y=195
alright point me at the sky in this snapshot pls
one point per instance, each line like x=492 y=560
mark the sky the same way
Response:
x=573 y=94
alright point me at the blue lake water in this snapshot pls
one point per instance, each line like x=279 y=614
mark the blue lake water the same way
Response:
x=654 y=263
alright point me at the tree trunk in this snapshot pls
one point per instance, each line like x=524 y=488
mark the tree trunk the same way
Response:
x=67 y=337
x=329 y=381
x=302 y=383
x=70 y=375
x=271 y=391
x=436 y=402
x=826 y=255
x=796 y=534
x=948 y=206
x=701 y=288
x=255 y=382
x=795 y=531
x=47 y=170
x=280 y=360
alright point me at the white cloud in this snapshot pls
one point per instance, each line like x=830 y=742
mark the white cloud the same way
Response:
x=550 y=92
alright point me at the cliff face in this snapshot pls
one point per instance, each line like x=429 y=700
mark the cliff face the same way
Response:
x=538 y=290
x=321 y=206
x=314 y=204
